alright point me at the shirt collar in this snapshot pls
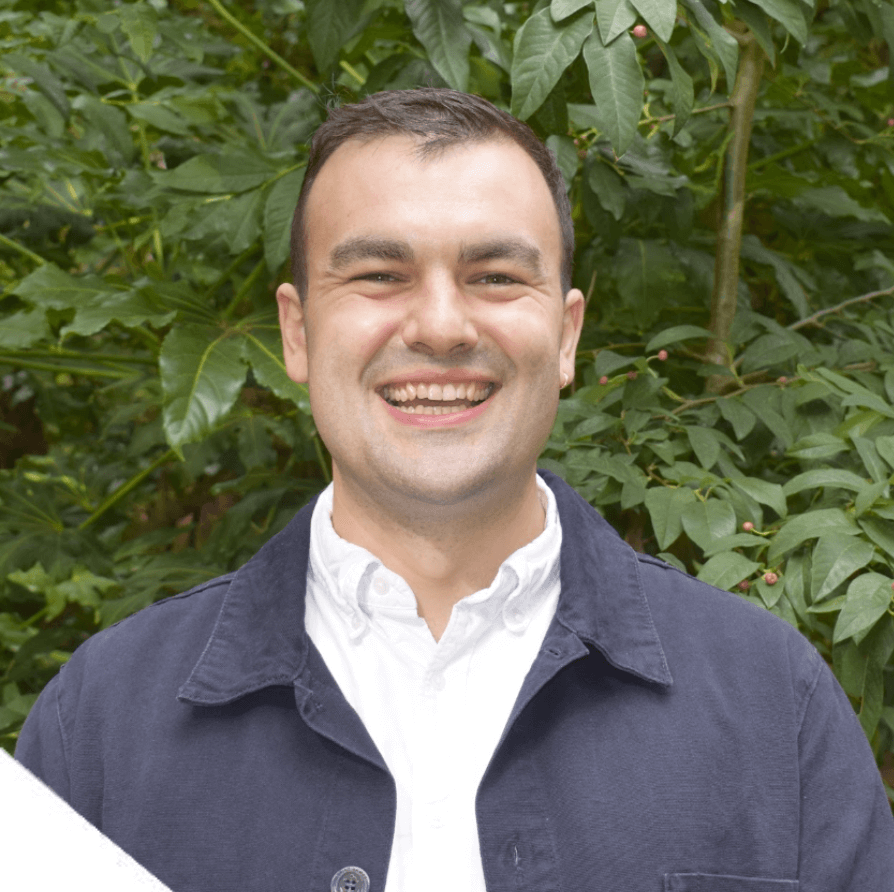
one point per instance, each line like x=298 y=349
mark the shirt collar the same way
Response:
x=348 y=573
x=259 y=638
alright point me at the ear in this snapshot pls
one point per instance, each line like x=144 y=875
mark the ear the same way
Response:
x=572 y=323
x=294 y=337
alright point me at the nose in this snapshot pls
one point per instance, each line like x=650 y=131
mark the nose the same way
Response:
x=439 y=320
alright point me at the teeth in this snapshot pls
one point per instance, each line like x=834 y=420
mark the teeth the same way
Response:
x=448 y=393
x=431 y=410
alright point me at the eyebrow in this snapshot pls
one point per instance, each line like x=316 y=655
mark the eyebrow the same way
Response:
x=371 y=248
x=504 y=249
x=366 y=248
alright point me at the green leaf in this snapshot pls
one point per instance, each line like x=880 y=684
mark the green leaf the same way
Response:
x=726 y=570
x=738 y=415
x=660 y=15
x=868 y=598
x=202 y=373
x=869 y=454
x=706 y=522
x=607 y=186
x=439 y=26
x=566 y=156
x=278 y=213
x=665 y=507
x=885 y=448
x=140 y=23
x=824 y=478
x=820 y=445
x=881 y=532
x=705 y=445
x=763 y=491
x=868 y=496
x=542 y=52
x=789 y=13
x=676 y=335
x=43 y=77
x=757 y=400
x=785 y=272
x=233 y=172
x=811 y=525
x=736 y=540
x=608 y=362
x=130 y=308
x=759 y=25
x=769 y=594
x=329 y=26
x=23 y=329
x=159 y=116
x=263 y=352
x=614 y=17
x=561 y=9
x=617 y=84
x=835 y=558
x=835 y=202
x=49 y=286
x=682 y=87
x=722 y=42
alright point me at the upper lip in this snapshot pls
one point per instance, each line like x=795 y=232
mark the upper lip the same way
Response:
x=430 y=376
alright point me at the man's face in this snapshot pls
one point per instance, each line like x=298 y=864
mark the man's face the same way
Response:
x=435 y=272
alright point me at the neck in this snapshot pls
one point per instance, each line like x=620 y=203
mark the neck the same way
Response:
x=443 y=553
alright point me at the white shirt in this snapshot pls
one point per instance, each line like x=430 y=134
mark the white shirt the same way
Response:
x=434 y=709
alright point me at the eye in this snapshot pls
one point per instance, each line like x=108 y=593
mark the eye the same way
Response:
x=497 y=279
x=381 y=278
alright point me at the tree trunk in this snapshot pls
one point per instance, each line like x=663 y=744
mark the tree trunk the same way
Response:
x=729 y=235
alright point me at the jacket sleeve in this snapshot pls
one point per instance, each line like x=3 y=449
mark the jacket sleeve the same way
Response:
x=847 y=829
x=42 y=747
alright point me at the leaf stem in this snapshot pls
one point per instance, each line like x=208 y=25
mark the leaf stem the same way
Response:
x=250 y=279
x=125 y=488
x=22 y=250
x=262 y=46
x=19 y=362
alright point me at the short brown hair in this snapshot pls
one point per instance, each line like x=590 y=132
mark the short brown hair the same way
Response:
x=440 y=119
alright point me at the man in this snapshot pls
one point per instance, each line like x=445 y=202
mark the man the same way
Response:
x=448 y=672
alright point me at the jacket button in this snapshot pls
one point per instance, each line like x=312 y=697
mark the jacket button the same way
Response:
x=350 y=879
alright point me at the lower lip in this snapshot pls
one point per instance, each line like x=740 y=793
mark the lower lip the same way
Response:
x=429 y=421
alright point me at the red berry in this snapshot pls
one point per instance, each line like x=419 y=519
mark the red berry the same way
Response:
x=748 y=526
x=771 y=578
x=891 y=122
x=744 y=585
x=603 y=379
x=640 y=31
x=662 y=355
x=782 y=380
x=631 y=376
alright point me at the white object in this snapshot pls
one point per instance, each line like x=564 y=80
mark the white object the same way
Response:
x=46 y=844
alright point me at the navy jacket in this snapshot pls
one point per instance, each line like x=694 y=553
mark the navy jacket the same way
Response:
x=668 y=738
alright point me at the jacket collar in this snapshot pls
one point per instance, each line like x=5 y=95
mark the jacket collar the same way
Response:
x=259 y=638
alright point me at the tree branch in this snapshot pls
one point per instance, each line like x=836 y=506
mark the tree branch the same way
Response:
x=862 y=299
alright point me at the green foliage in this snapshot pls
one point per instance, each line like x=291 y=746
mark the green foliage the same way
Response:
x=152 y=153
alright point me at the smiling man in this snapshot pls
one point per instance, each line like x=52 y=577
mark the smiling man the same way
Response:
x=448 y=672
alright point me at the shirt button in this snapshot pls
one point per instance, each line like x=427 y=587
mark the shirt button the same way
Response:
x=437 y=683
x=350 y=879
x=380 y=585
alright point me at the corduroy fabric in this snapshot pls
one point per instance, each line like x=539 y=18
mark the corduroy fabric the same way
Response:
x=668 y=738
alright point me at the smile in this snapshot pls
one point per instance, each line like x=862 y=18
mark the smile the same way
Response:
x=436 y=399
